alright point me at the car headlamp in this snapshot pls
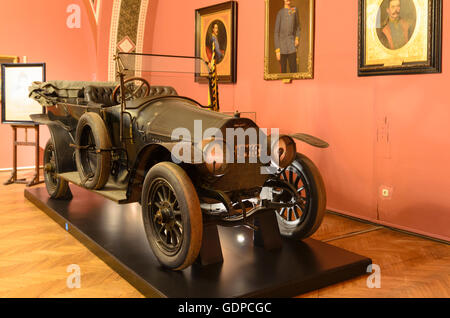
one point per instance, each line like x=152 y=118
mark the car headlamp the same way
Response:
x=214 y=155
x=283 y=151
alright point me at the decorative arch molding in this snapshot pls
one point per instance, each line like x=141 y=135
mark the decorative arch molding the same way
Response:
x=128 y=20
x=95 y=8
x=115 y=15
x=93 y=13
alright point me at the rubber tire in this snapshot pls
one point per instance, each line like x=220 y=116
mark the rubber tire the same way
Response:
x=103 y=159
x=316 y=211
x=60 y=189
x=189 y=204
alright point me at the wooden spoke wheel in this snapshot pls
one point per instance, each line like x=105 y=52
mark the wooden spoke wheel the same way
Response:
x=304 y=218
x=57 y=188
x=166 y=217
x=172 y=216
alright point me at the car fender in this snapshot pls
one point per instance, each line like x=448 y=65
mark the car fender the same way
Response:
x=64 y=154
x=147 y=157
x=310 y=140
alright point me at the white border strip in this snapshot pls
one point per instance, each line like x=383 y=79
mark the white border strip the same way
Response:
x=113 y=39
x=140 y=36
x=96 y=9
x=19 y=168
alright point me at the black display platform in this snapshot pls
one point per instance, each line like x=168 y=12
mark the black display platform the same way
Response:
x=115 y=234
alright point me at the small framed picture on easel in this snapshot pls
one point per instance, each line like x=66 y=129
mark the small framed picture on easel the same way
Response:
x=16 y=105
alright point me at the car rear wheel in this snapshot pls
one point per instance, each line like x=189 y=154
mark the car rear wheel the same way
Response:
x=92 y=156
x=302 y=220
x=57 y=187
x=172 y=216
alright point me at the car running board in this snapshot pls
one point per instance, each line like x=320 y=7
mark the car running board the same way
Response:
x=311 y=140
x=110 y=191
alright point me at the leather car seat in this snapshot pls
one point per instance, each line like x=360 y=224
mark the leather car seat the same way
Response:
x=160 y=91
x=100 y=95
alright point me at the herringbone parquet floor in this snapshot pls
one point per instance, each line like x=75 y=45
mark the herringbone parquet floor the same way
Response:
x=35 y=253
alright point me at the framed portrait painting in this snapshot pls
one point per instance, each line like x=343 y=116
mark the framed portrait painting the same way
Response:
x=16 y=105
x=289 y=39
x=399 y=37
x=215 y=26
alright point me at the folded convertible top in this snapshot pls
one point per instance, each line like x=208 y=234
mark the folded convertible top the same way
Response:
x=51 y=92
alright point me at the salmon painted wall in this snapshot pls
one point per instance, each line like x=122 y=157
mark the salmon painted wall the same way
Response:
x=39 y=31
x=385 y=132
x=103 y=31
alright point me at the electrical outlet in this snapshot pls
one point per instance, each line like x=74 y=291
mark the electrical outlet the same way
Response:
x=385 y=192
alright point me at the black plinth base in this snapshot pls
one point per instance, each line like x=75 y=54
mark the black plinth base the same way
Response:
x=115 y=234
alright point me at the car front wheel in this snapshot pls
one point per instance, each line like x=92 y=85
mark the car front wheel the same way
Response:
x=171 y=215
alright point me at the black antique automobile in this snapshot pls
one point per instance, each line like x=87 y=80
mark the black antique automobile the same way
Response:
x=117 y=139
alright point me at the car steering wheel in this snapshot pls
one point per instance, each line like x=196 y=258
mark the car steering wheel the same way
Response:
x=135 y=87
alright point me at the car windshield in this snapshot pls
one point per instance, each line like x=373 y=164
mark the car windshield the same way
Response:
x=182 y=73
x=187 y=75
x=162 y=63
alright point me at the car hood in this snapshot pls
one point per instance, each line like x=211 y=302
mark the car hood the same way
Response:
x=165 y=115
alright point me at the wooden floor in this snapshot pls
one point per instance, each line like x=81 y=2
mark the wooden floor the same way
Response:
x=35 y=253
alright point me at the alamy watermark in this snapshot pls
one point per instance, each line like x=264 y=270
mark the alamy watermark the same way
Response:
x=74 y=279
x=251 y=145
x=374 y=280
x=74 y=19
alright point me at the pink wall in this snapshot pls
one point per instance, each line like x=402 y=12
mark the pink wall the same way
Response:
x=341 y=108
x=353 y=114
x=103 y=30
x=38 y=30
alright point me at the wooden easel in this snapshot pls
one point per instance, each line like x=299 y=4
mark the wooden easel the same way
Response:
x=13 y=178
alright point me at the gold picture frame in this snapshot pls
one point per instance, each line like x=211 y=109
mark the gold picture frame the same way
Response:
x=273 y=68
x=223 y=16
x=399 y=37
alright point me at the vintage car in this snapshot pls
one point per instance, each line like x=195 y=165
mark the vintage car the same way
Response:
x=116 y=139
